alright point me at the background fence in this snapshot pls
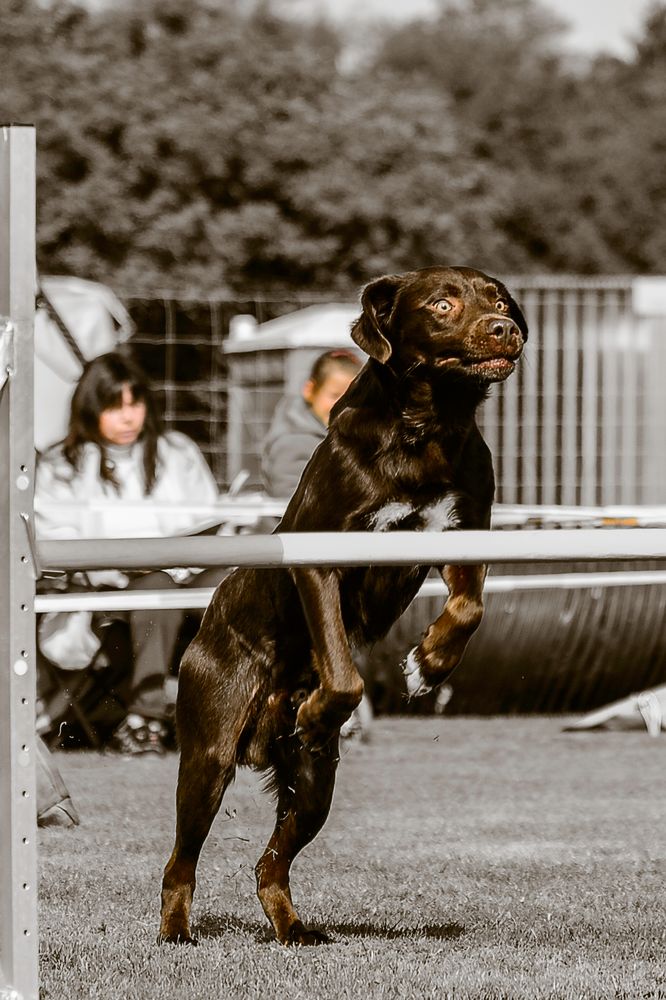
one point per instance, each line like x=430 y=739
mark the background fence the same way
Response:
x=582 y=422
x=179 y=344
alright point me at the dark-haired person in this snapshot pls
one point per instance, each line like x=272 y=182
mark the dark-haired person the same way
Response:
x=300 y=422
x=116 y=453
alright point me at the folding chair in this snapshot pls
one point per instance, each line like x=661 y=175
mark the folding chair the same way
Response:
x=79 y=697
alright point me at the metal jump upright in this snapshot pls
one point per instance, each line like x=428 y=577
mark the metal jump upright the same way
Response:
x=18 y=829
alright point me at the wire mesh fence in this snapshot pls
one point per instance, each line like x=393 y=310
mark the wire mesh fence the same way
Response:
x=582 y=421
x=179 y=344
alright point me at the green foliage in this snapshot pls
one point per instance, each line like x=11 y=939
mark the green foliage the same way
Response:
x=575 y=152
x=212 y=147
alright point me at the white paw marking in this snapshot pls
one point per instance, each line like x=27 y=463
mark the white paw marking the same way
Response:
x=416 y=685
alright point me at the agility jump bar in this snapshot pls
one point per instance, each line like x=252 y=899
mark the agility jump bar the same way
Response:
x=339 y=549
x=197 y=598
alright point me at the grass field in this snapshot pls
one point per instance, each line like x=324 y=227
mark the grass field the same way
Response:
x=463 y=858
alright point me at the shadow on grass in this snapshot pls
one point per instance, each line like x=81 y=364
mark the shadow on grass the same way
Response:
x=440 y=932
x=212 y=925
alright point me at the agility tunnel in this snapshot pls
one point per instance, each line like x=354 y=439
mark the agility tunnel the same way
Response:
x=542 y=650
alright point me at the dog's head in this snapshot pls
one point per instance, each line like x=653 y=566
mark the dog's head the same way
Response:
x=450 y=319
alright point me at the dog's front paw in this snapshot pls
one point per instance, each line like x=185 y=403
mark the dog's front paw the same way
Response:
x=313 y=735
x=319 y=719
x=414 y=679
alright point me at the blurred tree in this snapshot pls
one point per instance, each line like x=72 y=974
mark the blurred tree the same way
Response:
x=377 y=180
x=150 y=121
x=578 y=146
x=214 y=146
x=626 y=128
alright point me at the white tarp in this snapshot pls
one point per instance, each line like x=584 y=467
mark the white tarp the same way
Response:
x=645 y=709
x=97 y=321
x=323 y=326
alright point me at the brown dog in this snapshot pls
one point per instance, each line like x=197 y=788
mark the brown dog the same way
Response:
x=269 y=679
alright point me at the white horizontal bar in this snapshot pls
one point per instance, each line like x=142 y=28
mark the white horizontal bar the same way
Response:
x=505 y=515
x=222 y=511
x=394 y=548
x=557 y=581
x=246 y=509
x=191 y=598
x=186 y=598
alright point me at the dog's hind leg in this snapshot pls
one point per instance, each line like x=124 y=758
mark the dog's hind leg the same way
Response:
x=340 y=686
x=210 y=728
x=443 y=645
x=202 y=781
x=305 y=784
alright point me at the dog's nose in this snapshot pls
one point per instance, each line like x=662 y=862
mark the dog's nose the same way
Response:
x=502 y=328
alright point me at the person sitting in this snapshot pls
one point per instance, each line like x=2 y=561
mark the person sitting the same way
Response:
x=116 y=453
x=300 y=422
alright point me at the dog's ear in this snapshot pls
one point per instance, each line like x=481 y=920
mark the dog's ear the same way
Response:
x=369 y=330
x=516 y=314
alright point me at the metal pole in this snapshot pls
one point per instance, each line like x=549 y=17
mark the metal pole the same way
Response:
x=356 y=548
x=18 y=814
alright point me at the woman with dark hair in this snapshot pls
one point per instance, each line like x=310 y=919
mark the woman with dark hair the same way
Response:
x=115 y=455
x=113 y=391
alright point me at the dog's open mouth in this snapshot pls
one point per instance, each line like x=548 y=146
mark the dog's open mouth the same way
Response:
x=494 y=369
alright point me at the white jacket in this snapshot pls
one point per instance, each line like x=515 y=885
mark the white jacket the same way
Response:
x=79 y=504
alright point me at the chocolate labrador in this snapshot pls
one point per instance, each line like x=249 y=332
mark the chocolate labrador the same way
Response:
x=269 y=678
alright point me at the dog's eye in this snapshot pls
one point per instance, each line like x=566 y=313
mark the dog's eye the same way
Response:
x=443 y=305
x=502 y=306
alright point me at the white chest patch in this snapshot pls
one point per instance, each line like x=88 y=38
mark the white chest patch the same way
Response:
x=441 y=515
x=437 y=517
x=390 y=514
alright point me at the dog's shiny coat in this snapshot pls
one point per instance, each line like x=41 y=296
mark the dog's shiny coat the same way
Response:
x=269 y=679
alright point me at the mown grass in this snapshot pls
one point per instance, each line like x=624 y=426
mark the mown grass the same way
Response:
x=463 y=858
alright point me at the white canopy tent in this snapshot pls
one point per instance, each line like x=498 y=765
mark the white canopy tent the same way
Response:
x=96 y=320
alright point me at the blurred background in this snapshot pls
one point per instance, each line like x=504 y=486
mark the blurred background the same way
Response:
x=223 y=165
x=205 y=159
